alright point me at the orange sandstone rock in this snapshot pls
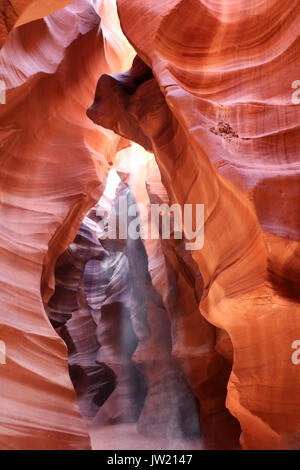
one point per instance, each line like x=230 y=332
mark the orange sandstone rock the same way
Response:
x=53 y=163
x=219 y=116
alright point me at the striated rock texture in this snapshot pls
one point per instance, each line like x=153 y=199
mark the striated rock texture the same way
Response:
x=53 y=166
x=194 y=342
x=203 y=352
x=210 y=93
x=132 y=328
x=19 y=12
x=145 y=332
x=69 y=313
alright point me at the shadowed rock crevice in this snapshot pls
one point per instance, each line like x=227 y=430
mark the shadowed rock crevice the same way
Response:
x=118 y=335
x=162 y=344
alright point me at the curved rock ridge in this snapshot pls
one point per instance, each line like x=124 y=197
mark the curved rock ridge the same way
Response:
x=53 y=167
x=203 y=352
x=131 y=325
x=69 y=313
x=164 y=316
x=19 y=12
x=31 y=10
x=223 y=127
x=196 y=345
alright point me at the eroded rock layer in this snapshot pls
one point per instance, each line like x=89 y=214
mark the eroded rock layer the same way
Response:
x=225 y=132
x=177 y=341
x=53 y=163
x=132 y=327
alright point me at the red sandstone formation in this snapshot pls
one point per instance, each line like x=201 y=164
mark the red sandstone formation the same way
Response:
x=53 y=163
x=153 y=333
x=132 y=328
x=69 y=312
x=204 y=115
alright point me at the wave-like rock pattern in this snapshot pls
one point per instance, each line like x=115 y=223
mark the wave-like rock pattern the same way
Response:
x=53 y=165
x=203 y=351
x=69 y=313
x=221 y=122
x=131 y=327
x=210 y=94
x=108 y=291
x=170 y=410
x=197 y=345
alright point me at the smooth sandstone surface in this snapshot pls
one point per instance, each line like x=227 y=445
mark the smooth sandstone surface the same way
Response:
x=132 y=326
x=53 y=163
x=206 y=87
x=196 y=345
x=18 y=12
x=219 y=116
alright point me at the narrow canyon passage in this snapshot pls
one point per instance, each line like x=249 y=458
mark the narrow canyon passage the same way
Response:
x=149 y=224
x=122 y=333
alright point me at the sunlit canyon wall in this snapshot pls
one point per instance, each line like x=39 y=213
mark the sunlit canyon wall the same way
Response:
x=187 y=102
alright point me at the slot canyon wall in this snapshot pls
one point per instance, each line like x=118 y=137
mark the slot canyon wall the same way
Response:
x=188 y=102
x=53 y=166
